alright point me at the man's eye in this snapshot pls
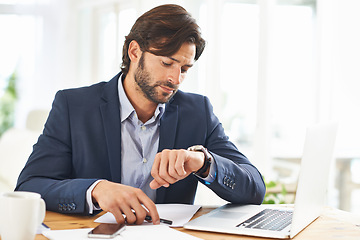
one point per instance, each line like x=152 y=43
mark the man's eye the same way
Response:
x=184 y=70
x=166 y=64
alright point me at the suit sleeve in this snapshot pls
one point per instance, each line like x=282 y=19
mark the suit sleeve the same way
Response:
x=236 y=180
x=49 y=169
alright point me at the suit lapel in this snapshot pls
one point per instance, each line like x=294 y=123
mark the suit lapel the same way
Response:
x=110 y=111
x=168 y=126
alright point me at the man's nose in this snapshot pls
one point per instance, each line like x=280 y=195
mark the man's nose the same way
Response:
x=175 y=76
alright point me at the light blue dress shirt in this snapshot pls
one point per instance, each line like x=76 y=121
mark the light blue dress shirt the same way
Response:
x=139 y=145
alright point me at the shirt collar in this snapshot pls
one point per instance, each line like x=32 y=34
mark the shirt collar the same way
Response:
x=126 y=109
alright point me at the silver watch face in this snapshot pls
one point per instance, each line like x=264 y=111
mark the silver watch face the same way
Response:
x=196 y=148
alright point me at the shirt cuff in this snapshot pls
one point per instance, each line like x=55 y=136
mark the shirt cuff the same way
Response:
x=89 y=201
x=212 y=173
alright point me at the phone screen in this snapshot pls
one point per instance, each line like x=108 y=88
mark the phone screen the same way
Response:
x=107 y=230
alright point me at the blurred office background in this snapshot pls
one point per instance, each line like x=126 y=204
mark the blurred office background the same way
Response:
x=271 y=68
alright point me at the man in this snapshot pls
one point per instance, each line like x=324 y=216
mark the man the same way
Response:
x=120 y=146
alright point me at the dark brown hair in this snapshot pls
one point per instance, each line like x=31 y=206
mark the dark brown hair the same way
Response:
x=164 y=29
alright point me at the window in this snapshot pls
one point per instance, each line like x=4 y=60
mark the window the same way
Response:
x=293 y=87
x=103 y=31
x=19 y=43
x=238 y=66
x=259 y=72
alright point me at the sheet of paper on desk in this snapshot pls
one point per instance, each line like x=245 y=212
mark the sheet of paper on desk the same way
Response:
x=148 y=232
x=178 y=213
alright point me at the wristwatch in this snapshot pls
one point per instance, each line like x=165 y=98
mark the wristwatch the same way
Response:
x=207 y=161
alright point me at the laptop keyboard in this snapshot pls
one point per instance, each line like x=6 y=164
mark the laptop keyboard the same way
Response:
x=269 y=219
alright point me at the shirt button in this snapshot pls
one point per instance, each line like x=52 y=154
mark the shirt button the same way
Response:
x=143 y=128
x=144 y=160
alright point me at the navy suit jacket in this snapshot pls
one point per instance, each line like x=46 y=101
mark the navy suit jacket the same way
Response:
x=81 y=144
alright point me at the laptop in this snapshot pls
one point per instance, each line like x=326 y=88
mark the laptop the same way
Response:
x=282 y=222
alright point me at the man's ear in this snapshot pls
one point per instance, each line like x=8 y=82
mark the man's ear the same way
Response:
x=134 y=51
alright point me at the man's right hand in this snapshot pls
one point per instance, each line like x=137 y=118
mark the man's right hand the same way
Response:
x=120 y=199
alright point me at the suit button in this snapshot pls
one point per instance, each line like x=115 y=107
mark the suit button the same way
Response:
x=228 y=182
x=73 y=206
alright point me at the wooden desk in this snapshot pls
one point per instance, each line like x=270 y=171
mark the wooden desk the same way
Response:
x=332 y=224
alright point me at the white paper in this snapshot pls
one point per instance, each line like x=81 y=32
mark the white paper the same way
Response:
x=178 y=213
x=134 y=232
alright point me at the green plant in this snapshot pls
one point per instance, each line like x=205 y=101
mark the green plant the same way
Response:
x=7 y=104
x=275 y=193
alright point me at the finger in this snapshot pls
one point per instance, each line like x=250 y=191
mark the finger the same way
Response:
x=180 y=169
x=130 y=216
x=151 y=207
x=155 y=166
x=166 y=157
x=155 y=171
x=140 y=212
x=154 y=184
x=174 y=160
x=180 y=164
x=118 y=215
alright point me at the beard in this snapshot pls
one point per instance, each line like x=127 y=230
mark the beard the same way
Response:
x=151 y=92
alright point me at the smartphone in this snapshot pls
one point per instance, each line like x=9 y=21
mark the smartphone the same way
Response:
x=106 y=230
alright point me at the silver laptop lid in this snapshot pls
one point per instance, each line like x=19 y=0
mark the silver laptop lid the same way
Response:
x=315 y=167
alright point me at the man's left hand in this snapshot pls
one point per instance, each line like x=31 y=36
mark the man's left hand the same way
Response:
x=171 y=166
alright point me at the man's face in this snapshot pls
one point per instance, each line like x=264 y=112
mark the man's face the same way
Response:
x=159 y=77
